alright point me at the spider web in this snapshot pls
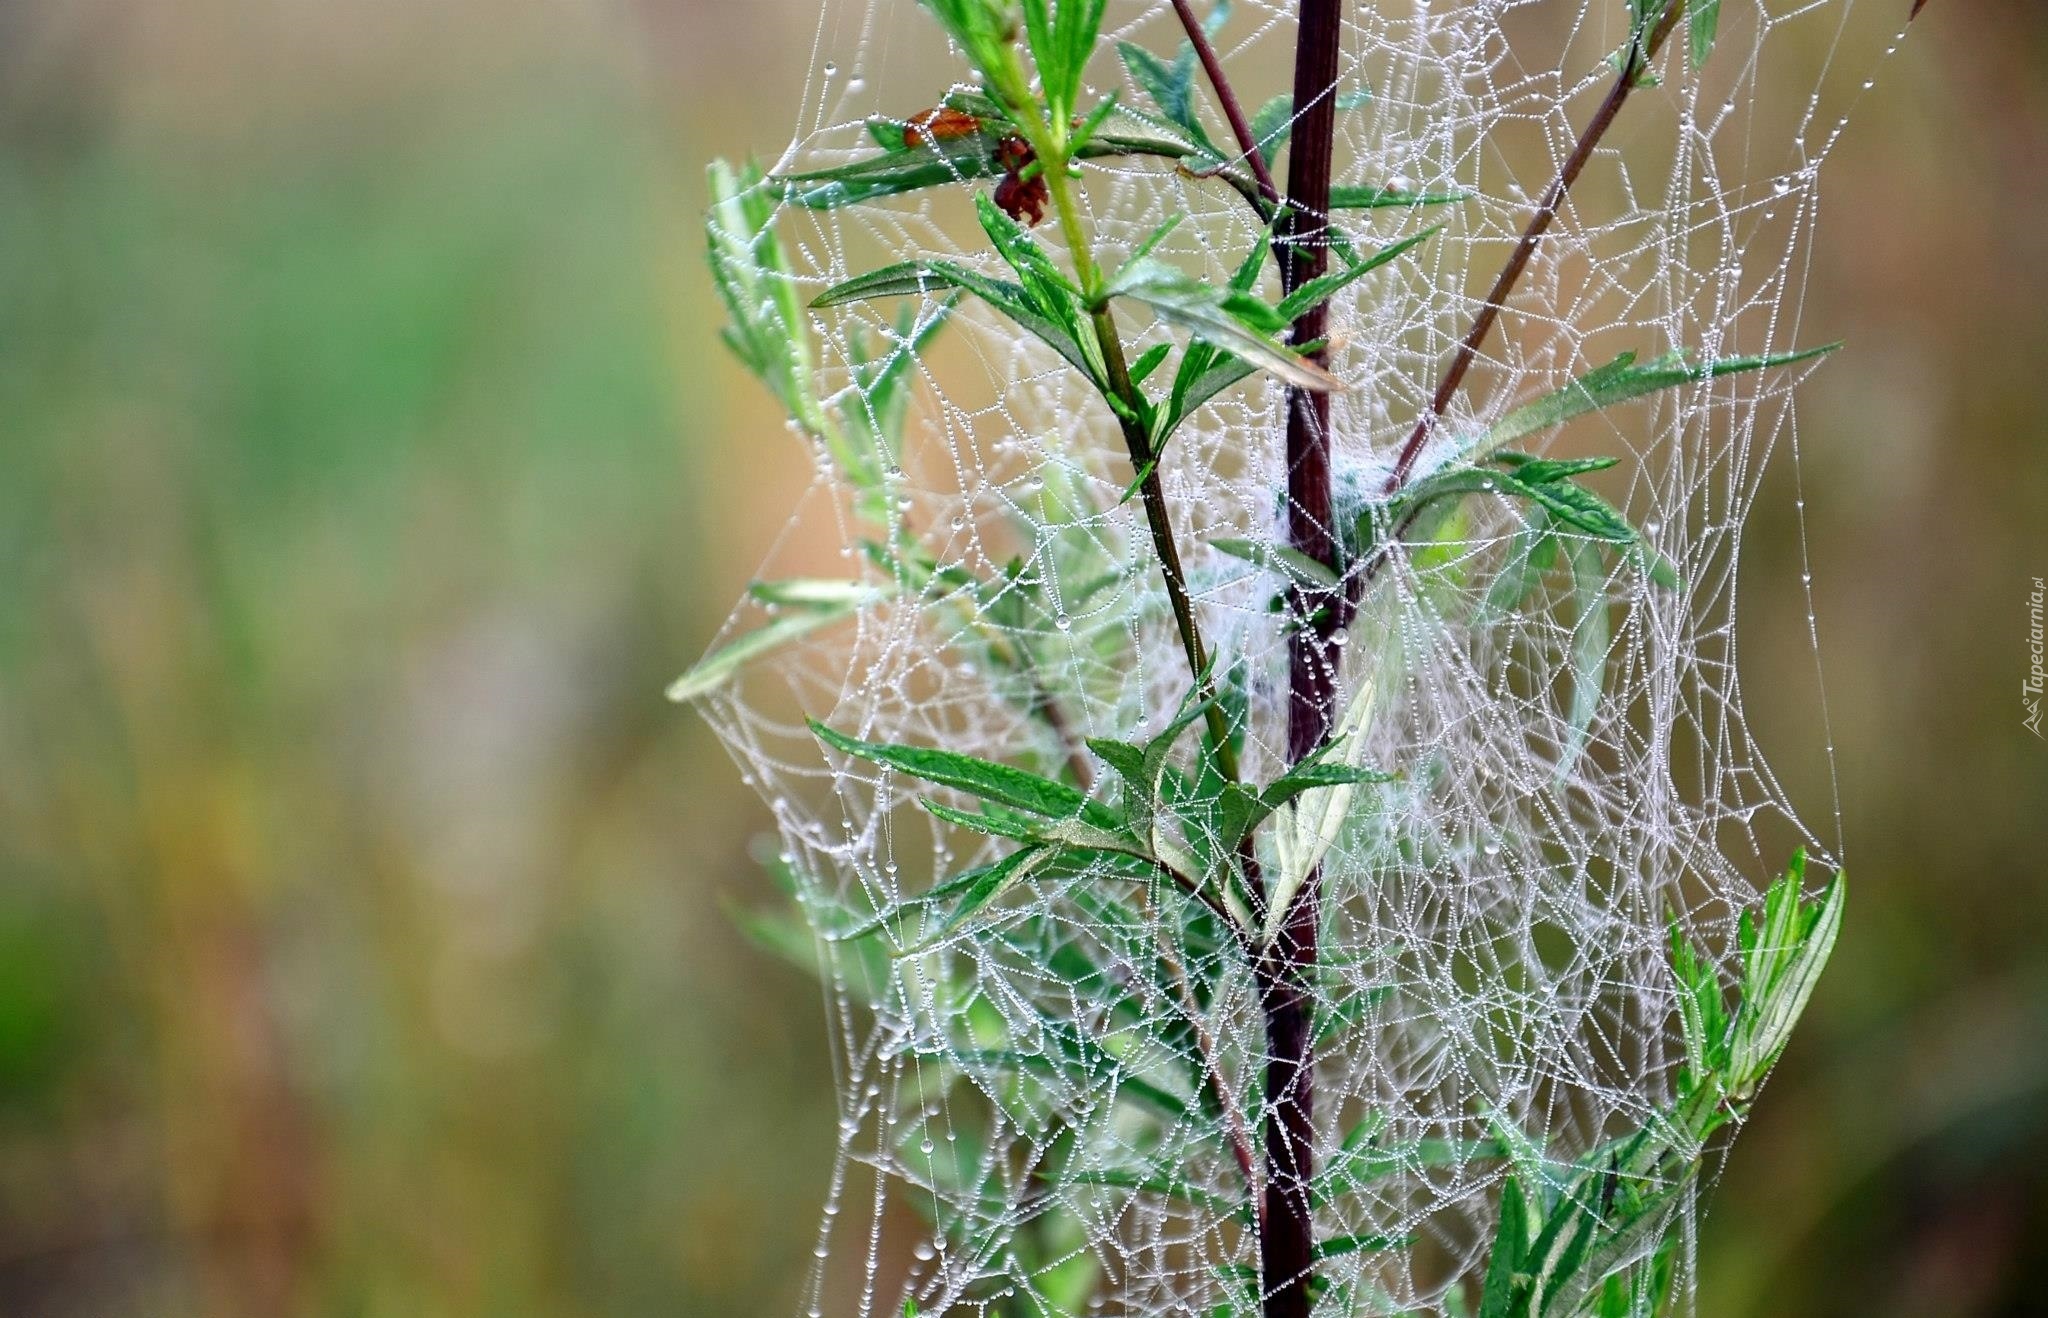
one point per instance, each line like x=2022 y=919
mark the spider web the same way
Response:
x=1022 y=1110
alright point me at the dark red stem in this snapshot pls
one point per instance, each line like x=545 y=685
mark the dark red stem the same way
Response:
x=1233 y=109
x=1287 y=1227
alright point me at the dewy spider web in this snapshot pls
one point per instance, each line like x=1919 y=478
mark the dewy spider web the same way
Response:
x=1026 y=1124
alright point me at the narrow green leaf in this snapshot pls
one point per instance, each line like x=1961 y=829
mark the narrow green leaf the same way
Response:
x=1191 y=389
x=1510 y=1241
x=985 y=30
x=985 y=891
x=993 y=823
x=1061 y=41
x=1238 y=323
x=1167 y=1185
x=1003 y=784
x=964 y=882
x=909 y=278
x=1126 y=759
x=1171 y=86
x=1273 y=123
x=718 y=667
x=767 y=331
x=1702 y=17
x=1356 y=1168
x=919 y=277
x=818 y=593
x=1346 y=197
x=1149 y=361
x=1618 y=382
x=1314 y=774
x=1531 y=554
x=1337 y=1246
x=1590 y=638
x=897 y=170
x=1335 y=1018
x=1284 y=560
x=1318 y=291
x=1542 y=471
x=1154 y=238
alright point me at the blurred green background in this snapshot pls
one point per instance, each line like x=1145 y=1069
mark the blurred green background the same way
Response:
x=367 y=465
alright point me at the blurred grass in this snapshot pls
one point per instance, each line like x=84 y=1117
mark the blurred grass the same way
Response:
x=368 y=468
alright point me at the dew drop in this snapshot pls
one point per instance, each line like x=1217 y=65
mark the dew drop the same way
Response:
x=924 y=1251
x=831 y=69
x=1064 y=623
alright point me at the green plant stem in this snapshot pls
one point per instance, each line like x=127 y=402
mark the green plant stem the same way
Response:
x=1139 y=444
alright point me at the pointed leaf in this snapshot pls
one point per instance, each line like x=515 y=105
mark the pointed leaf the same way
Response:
x=1283 y=560
x=1235 y=322
x=718 y=667
x=1590 y=638
x=1351 y=198
x=1318 y=291
x=1003 y=784
x=1618 y=382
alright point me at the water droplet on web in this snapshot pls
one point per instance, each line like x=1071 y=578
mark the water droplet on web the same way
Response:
x=924 y=1251
x=1063 y=622
x=1398 y=183
x=1868 y=83
x=1652 y=526
x=1781 y=186
x=831 y=69
x=856 y=84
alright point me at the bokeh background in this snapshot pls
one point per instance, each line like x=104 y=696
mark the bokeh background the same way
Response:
x=367 y=465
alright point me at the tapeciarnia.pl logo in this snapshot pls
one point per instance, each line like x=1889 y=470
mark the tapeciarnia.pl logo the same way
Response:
x=2030 y=690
